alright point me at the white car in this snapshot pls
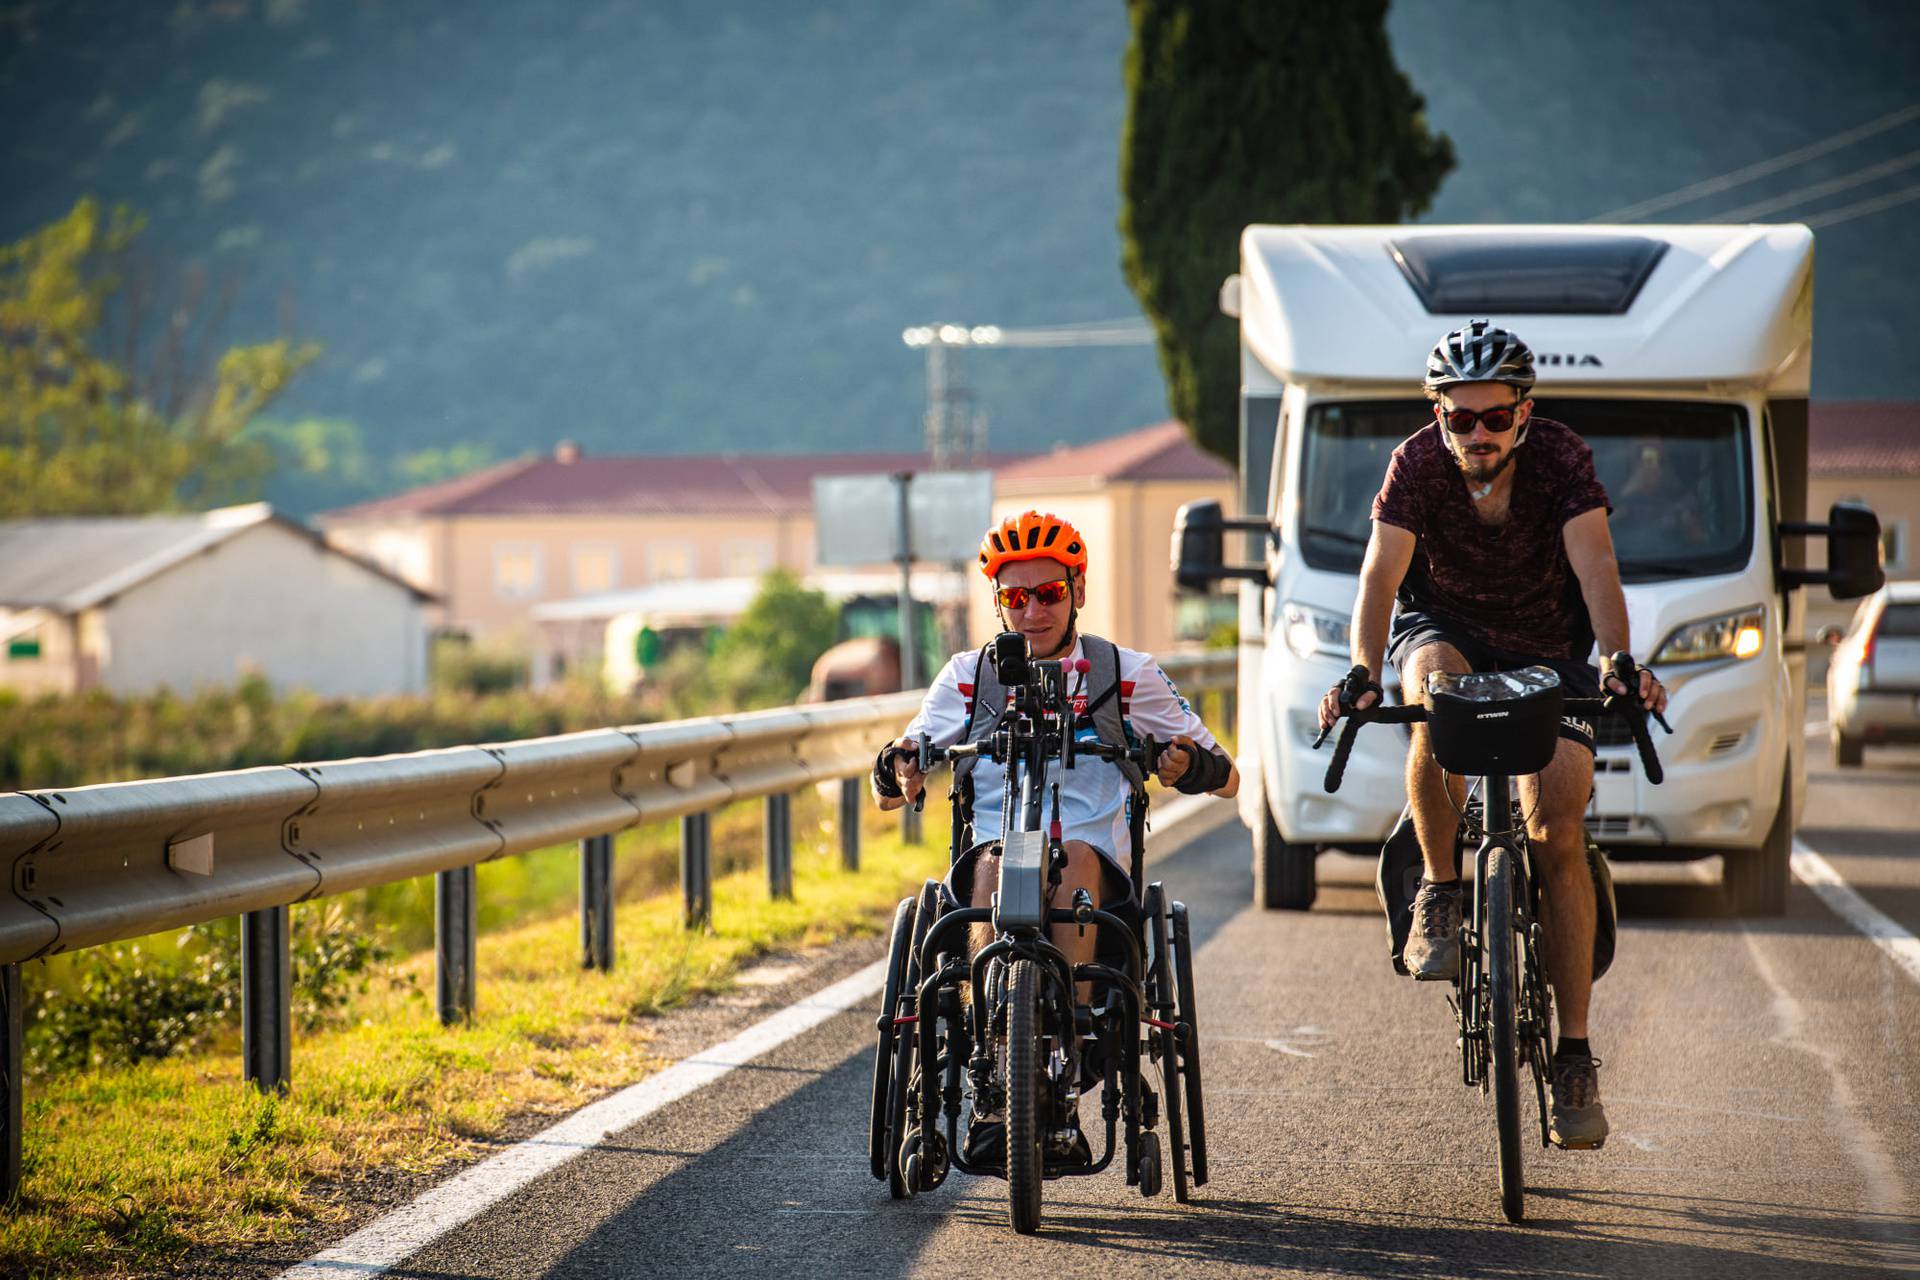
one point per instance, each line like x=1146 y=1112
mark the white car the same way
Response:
x=1873 y=682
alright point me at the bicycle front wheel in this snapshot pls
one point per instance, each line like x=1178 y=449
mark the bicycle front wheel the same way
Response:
x=1024 y=1103
x=1496 y=937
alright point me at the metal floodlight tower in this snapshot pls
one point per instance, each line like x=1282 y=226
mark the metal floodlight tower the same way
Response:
x=956 y=428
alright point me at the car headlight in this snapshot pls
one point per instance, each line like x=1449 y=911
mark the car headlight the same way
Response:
x=1731 y=635
x=1311 y=631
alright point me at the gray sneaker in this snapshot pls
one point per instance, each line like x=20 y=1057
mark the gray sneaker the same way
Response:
x=1432 y=953
x=1575 y=1118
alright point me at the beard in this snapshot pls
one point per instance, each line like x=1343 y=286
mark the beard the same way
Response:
x=1478 y=469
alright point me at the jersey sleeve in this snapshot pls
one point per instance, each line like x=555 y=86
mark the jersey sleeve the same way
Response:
x=1402 y=500
x=943 y=712
x=1151 y=703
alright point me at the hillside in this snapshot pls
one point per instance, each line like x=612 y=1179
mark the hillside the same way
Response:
x=681 y=226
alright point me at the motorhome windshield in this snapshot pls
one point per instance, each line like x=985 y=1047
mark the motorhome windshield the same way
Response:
x=1677 y=472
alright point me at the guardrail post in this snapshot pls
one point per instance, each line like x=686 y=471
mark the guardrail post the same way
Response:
x=596 y=903
x=850 y=806
x=12 y=1036
x=779 y=841
x=455 y=922
x=696 y=869
x=266 y=999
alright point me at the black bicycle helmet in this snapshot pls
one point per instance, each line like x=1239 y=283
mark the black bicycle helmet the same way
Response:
x=1481 y=352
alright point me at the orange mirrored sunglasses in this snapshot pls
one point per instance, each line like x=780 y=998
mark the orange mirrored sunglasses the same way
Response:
x=1048 y=593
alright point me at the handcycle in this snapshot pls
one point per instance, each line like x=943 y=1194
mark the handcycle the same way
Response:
x=1022 y=1038
x=1496 y=726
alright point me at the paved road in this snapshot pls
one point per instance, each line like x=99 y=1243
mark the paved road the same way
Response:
x=1760 y=1076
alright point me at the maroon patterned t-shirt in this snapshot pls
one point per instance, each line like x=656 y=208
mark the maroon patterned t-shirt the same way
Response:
x=1508 y=586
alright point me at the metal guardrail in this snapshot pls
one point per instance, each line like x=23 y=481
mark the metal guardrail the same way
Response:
x=99 y=864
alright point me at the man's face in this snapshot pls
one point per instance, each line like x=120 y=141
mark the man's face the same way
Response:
x=1483 y=454
x=1044 y=625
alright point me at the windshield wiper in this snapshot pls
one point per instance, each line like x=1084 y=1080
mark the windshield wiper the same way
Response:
x=1338 y=535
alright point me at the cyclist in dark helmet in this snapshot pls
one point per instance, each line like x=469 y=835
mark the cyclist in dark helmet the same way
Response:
x=1490 y=531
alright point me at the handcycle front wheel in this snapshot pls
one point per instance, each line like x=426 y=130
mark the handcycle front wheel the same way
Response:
x=1025 y=1166
x=1497 y=937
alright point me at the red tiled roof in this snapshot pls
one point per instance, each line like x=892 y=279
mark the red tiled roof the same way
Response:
x=665 y=485
x=1162 y=452
x=1864 y=437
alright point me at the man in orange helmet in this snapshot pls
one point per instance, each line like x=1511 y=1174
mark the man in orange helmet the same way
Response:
x=1037 y=563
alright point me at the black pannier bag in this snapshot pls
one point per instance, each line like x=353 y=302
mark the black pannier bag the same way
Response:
x=1498 y=722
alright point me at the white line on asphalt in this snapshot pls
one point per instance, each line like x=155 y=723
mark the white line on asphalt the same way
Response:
x=1818 y=875
x=384 y=1244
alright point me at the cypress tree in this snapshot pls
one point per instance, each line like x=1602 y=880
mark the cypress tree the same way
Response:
x=1260 y=111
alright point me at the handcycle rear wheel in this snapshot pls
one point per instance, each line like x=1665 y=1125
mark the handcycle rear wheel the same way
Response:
x=1025 y=1170
x=1163 y=997
x=1189 y=1049
x=1497 y=937
x=883 y=1141
x=903 y=1095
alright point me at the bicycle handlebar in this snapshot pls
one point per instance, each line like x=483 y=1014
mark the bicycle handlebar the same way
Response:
x=1625 y=706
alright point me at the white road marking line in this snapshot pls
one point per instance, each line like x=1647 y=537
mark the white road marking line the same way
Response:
x=389 y=1241
x=1281 y=1046
x=1818 y=875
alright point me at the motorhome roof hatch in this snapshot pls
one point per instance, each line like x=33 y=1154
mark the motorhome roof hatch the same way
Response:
x=1560 y=275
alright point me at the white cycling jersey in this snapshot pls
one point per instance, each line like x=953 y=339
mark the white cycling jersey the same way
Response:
x=1093 y=794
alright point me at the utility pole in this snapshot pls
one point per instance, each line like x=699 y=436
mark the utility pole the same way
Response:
x=956 y=428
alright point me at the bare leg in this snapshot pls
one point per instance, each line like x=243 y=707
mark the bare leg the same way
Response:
x=1436 y=816
x=1557 y=801
x=1084 y=870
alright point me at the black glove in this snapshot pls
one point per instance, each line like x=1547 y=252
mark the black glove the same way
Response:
x=1206 y=771
x=1356 y=682
x=885 y=784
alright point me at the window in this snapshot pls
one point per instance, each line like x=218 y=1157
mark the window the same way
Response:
x=670 y=561
x=595 y=569
x=1569 y=274
x=516 y=572
x=746 y=557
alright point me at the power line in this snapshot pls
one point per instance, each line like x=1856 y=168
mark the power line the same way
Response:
x=1859 y=177
x=1861 y=208
x=1760 y=169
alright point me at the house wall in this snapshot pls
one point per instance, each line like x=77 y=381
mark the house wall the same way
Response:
x=56 y=668
x=492 y=570
x=266 y=600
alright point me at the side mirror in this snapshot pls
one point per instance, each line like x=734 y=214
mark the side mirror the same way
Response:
x=1831 y=635
x=1853 y=552
x=1199 y=546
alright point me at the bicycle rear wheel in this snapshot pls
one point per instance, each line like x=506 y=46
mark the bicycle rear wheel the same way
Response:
x=1024 y=1063
x=1496 y=937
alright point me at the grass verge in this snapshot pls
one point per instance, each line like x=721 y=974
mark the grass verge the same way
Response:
x=129 y=1169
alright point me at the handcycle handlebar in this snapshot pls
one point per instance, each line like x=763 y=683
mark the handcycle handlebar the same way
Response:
x=1624 y=706
x=1146 y=754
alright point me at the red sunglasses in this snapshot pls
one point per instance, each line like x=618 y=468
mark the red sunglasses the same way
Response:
x=1046 y=593
x=1498 y=419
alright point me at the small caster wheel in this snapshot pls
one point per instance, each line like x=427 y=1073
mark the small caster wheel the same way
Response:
x=1147 y=1167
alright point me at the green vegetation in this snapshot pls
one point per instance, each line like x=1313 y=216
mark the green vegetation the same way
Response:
x=83 y=434
x=128 y=1168
x=1253 y=113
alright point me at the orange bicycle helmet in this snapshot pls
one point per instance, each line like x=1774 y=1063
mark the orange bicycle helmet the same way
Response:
x=1032 y=535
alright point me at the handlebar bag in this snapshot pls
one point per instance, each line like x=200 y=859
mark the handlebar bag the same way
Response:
x=1495 y=722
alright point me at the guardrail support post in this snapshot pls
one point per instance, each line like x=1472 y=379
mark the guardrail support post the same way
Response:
x=596 y=903
x=455 y=922
x=850 y=806
x=266 y=999
x=696 y=869
x=12 y=1035
x=779 y=840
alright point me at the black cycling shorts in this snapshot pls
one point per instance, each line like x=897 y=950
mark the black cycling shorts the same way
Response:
x=1414 y=630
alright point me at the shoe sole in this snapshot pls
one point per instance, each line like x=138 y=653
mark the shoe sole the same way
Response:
x=1592 y=1144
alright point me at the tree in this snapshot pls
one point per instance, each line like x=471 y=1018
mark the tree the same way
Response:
x=766 y=656
x=81 y=433
x=1264 y=111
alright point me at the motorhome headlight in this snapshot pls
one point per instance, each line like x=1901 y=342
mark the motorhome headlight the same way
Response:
x=1311 y=631
x=1730 y=635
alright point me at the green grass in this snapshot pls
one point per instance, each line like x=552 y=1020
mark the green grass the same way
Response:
x=129 y=1168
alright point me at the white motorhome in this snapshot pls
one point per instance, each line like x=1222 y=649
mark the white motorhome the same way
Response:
x=1682 y=356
